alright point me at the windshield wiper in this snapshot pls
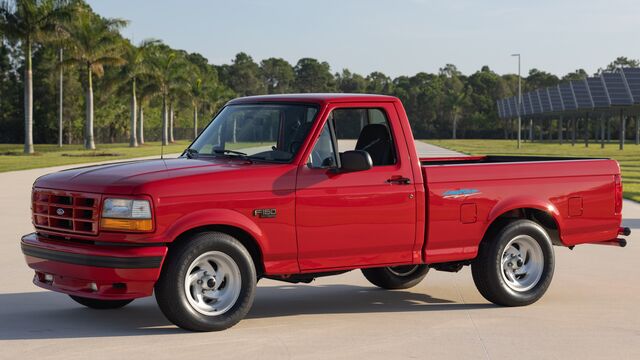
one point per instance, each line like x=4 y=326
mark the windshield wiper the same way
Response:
x=191 y=153
x=226 y=151
x=233 y=153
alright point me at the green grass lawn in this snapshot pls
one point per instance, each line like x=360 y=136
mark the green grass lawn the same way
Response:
x=629 y=158
x=12 y=158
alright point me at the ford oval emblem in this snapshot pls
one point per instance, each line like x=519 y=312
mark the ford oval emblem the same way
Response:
x=60 y=212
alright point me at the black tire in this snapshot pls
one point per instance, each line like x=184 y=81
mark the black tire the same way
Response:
x=100 y=304
x=487 y=269
x=170 y=289
x=396 y=277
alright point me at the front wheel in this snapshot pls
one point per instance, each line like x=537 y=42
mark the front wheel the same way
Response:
x=100 y=304
x=515 y=266
x=208 y=283
x=396 y=277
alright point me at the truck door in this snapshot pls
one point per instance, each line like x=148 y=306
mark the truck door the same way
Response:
x=361 y=218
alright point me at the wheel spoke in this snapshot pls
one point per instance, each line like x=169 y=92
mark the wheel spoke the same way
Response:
x=194 y=276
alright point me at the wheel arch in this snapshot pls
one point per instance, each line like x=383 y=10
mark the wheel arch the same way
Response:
x=544 y=214
x=226 y=221
x=245 y=238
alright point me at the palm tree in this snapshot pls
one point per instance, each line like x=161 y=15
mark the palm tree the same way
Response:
x=166 y=73
x=31 y=22
x=136 y=66
x=95 y=43
x=148 y=90
x=196 y=91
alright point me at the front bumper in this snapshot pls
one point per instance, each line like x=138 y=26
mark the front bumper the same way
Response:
x=108 y=272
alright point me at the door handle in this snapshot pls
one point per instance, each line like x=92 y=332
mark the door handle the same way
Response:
x=400 y=180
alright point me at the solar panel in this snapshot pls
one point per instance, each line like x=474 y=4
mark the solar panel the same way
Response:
x=500 y=109
x=598 y=92
x=513 y=104
x=526 y=104
x=581 y=92
x=545 y=102
x=535 y=102
x=556 y=101
x=617 y=89
x=507 y=108
x=632 y=76
x=568 y=99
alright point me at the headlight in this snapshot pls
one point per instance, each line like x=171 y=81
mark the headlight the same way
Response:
x=126 y=215
x=126 y=209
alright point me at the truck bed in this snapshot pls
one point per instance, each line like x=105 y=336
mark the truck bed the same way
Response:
x=466 y=194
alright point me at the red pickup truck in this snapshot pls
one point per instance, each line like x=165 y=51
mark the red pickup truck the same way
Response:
x=293 y=187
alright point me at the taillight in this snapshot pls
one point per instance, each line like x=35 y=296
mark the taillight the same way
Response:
x=618 y=196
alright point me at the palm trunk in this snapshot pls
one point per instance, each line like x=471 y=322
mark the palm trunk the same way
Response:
x=195 y=121
x=141 y=128
x=171 y=140
x=28 y=101
x=455 y=126
x=60 y=110
x=165 y=120
x=133 y=141
x=89 y=142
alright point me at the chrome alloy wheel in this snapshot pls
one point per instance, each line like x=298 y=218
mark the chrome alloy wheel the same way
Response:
x=522 y=263
x=212 y=283
x=403 y=270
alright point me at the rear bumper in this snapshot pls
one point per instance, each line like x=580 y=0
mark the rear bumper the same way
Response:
x=102 y=272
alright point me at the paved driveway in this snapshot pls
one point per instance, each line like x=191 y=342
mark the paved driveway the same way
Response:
x=590 y=312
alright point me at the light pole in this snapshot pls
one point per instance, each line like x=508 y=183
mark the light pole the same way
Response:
x=519 y=100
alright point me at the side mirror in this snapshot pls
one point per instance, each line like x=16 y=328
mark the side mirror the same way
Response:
x=355 y=160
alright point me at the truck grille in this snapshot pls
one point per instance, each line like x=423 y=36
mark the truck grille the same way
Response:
x=65 y=211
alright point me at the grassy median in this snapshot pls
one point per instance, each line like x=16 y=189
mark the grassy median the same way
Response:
x=12 y=158
x=629 y=158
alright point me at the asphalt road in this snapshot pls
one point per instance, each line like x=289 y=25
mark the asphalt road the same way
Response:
x=589 y=312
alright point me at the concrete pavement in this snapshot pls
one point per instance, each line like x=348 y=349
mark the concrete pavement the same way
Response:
x=589 y=312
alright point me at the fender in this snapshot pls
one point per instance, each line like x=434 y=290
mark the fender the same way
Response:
x=521 y=202
x=208 y=217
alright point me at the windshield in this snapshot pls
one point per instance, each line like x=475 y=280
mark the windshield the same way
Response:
x=268 y=132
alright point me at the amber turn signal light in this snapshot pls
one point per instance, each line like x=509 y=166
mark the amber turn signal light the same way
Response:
x=126 y=224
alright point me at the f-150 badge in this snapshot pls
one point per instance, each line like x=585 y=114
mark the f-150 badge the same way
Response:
x=264 y=213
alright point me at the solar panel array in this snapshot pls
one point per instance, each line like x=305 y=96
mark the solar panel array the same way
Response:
x=609 y=89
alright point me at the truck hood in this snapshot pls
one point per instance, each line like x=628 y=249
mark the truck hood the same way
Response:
x=128 y=177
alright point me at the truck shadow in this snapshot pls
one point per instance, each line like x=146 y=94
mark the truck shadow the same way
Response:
x=48 y=315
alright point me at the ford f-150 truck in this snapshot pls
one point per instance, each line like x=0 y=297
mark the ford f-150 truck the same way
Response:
x=293 y=187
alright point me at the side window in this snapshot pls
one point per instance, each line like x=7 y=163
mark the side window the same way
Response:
x=365 y=129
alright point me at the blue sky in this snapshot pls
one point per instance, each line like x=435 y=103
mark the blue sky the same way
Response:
x=399 y=37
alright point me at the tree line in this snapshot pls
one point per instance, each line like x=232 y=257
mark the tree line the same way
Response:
x=66 y=71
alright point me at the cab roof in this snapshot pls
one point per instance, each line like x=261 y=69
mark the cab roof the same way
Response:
x=316 y=98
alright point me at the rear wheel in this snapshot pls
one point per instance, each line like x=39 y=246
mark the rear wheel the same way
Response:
x=100 y=304
x=515 y=266
x=208 y=283
x=396 y=277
